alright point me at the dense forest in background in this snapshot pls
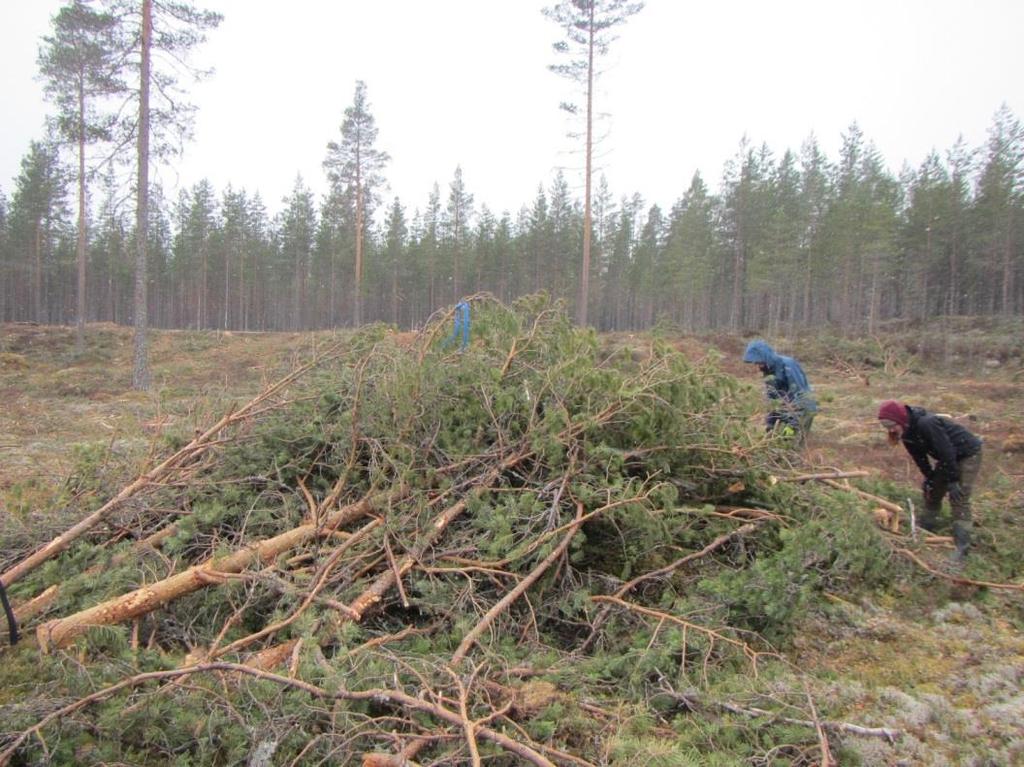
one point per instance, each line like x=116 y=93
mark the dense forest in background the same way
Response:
x=786 y=241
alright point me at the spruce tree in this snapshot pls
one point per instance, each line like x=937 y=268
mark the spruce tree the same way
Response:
x=37 y=213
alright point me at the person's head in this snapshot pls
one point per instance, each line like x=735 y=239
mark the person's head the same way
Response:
x=759 y=353
x=894 y=419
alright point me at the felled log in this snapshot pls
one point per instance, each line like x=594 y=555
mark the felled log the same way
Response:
x=60 y=632
x=36 y=605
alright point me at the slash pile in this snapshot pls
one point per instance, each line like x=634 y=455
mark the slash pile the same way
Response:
x=535 y=550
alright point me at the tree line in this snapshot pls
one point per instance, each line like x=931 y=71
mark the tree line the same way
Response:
x=780 y=241
x=787 y=240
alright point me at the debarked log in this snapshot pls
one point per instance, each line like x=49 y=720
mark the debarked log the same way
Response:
x=61 y=631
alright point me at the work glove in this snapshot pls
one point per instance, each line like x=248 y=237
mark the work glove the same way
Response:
x=956 y=493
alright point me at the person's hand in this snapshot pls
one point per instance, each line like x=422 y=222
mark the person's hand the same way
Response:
x=956 y=493
x=927 y=488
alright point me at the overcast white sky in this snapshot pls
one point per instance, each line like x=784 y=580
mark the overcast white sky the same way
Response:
x=464 y=82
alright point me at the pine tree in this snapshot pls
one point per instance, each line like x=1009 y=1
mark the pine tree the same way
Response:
x=589 y=26
x=395 y=251
x=200 y=226
x=615 y=301
x=565 y=223
x=645 y=277
x=457 y=223
x=744 y=198
x=110 y=267
x=815 y=198
x=6 y=268
x=882 y=203
x=924 y=239
x=236 y=236
x=298 y=226
x=537 y=236
x=354 y=164
x=960 y=161
x=998 y=206
x=80 y=65
x=164 y=120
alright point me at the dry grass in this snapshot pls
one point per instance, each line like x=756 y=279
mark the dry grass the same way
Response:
x=57 y=403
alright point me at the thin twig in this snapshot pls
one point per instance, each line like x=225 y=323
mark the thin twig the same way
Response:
x=378 y=695
x=956 y=578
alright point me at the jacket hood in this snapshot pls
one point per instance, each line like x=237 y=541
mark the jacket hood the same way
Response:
x=760 y=352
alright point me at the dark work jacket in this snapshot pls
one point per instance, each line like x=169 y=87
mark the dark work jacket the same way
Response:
x=930 y=435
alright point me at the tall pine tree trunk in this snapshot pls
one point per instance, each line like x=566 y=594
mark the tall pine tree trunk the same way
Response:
x=357 y=287
x=1007 y=294
x=37 y=277
x=394 y=292
x=140 y=361
x=80 y=244
x=584 y=294
x=227 y=286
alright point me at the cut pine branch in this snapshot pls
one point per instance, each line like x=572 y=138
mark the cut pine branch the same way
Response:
x=184 y=457
x=390 y=577
x=885 y=504
x=694 y=702
x=717 y=543
x=822 y=475
x=518 y=591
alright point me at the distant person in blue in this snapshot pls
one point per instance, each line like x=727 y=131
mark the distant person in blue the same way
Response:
x=793 y=404
x=461 y=326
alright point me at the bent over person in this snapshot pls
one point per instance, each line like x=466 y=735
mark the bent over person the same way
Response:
x=793 y=404
x=957 y=459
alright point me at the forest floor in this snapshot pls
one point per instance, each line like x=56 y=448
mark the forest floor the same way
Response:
x=943 y=663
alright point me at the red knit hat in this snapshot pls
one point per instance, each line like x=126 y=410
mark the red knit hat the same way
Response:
x=894 y=411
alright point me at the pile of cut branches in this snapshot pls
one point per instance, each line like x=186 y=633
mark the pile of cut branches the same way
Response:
x=527 y=551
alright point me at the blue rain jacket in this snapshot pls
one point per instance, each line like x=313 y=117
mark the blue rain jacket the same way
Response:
x=461 y=325
x=785 y=379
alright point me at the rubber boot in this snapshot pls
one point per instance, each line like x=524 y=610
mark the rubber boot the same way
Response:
x=962 y=540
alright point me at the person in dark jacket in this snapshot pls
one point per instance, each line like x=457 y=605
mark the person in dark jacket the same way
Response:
x=791 y=396
x=949 y=457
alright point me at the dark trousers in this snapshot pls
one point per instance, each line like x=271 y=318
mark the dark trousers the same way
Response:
x=962 y=523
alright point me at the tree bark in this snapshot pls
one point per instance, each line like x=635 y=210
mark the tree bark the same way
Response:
x=140 y=358
x=584 y=294
x=80 y=243
x=62 y=631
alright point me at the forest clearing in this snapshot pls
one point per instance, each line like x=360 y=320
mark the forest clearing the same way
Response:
x=553 y=547
x=346 y=466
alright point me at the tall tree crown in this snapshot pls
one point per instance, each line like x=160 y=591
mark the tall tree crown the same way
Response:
x=354 y=160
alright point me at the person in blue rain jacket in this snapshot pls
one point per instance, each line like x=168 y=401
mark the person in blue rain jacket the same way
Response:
x=789 y=393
